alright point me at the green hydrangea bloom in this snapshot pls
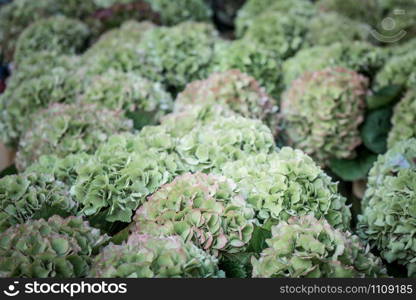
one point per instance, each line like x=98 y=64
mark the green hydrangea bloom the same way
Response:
x=307 y=247
x=282 y=33
x=60 y=248
x=116 y=49
x=17 y=106
x=33 y=196
x=402 y=49
x=285 y=184
x=234 y=90
x=388 y=217
x=56 y=34
x=123 y=58
x=328 y=28
x=129 y=177
x=223 y=140
x=205 y=209
x=322 y=107
x=398 y=70
x=189 y=132
x=401 y=156
x=175 y=12
x=143 y=101
x=404 y=120
x=357 y=56
x=67 y=129
x=131 y=168
x=177 y=55
x=262 y=64
x=39 y=64
x=65 y=170
x=178 y=124
x=144 y=256
x=16 y=16
x=252 y=8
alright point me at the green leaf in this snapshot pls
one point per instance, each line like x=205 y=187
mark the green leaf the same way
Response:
x=141 y=118
x=384 y=97
x=79 y=265
x=237 y=265
x=351 y=170
x=99 y=221
x=121 y=236
x=258 y=240
x=376 y=128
